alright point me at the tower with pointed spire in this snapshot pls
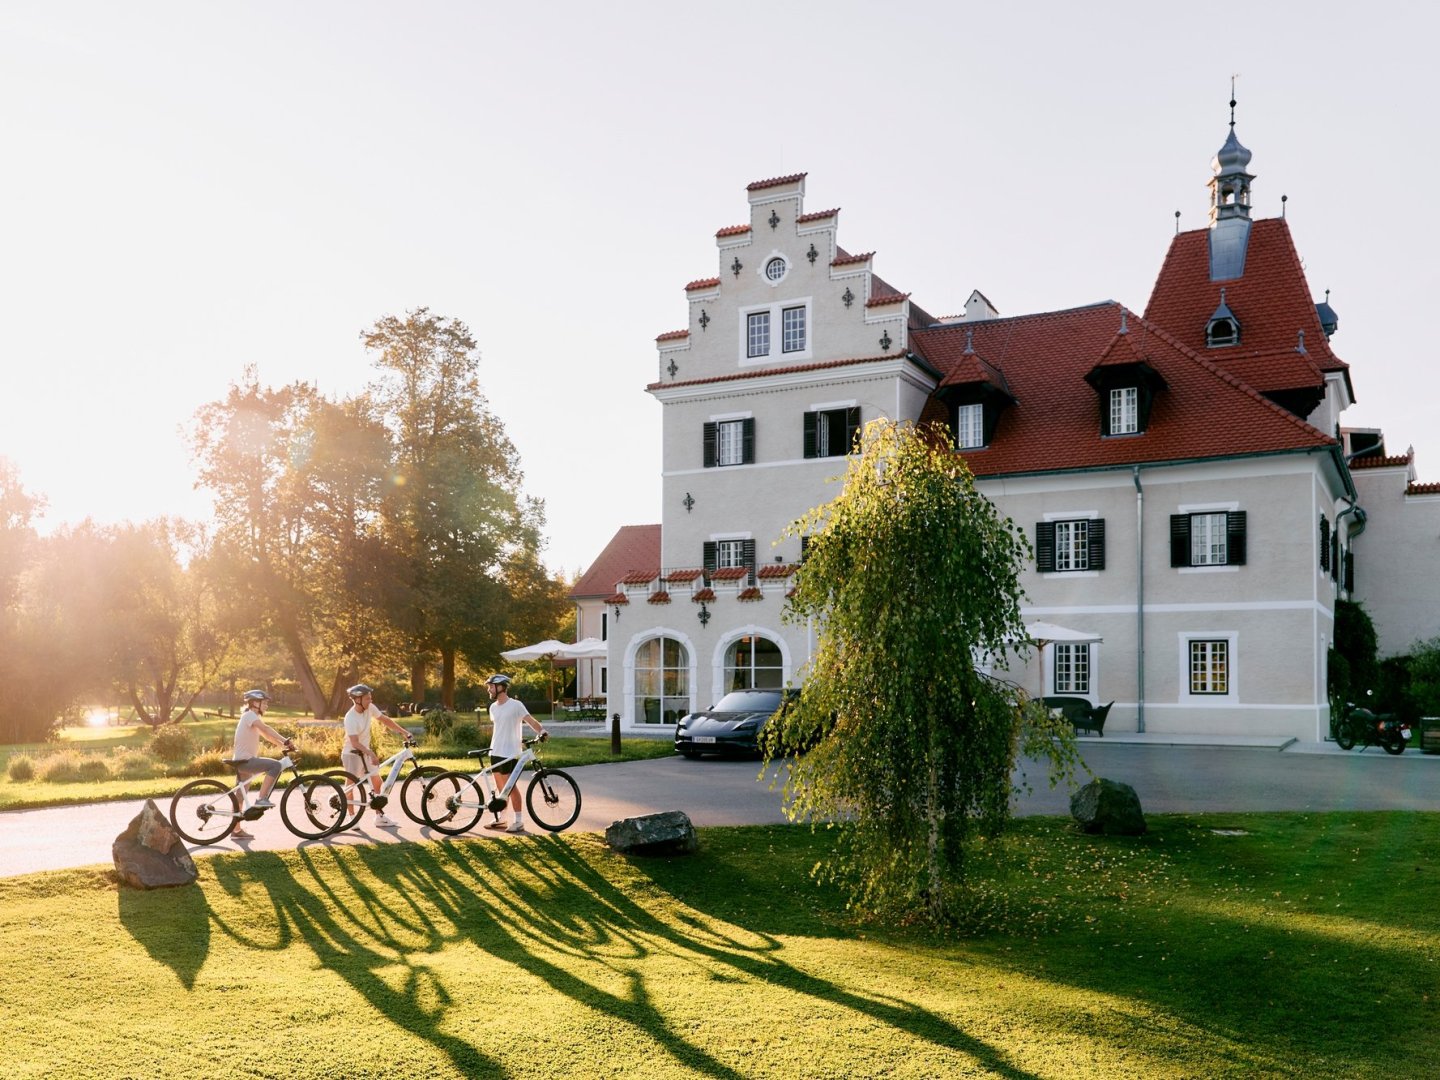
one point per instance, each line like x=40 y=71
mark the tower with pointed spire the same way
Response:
x=1229 y=205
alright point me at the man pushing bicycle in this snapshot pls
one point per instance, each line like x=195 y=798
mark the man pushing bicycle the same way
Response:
x=356 y=757
x=508 y=719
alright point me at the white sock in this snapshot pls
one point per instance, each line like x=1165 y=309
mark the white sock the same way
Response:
x=519 y=817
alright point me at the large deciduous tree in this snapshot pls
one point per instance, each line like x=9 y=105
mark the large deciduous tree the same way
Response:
x=910 y=576
x=455 y=511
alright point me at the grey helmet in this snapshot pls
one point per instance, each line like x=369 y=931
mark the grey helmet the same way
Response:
x=256 y=695
x=358 y=689
x=498 y=680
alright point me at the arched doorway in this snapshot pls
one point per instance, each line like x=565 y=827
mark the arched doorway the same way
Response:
x=753 y=662
x=662 y=680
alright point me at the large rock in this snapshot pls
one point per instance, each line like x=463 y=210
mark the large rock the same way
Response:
x=669 y=833
x=1109 y=807
x=149 y=854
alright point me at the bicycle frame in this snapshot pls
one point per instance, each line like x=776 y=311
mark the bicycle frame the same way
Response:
x=395 y=761
x=247 y=810
x=485 y=778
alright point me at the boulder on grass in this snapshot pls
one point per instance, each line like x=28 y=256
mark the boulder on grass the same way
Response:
x=1108 y=807
x=669 y=833
x=149 y=854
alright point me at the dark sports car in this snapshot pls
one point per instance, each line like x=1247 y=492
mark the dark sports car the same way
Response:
x=731 y=726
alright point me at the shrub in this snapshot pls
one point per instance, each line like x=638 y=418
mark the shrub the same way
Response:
x=439 y=723
x=172 y=744
x=69 y=767
x=93 y=769
x=127 y=763
x=209 y=763
x=465 y=734
x=20 y=769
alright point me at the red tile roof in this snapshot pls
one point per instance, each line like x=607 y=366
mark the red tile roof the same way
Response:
x=1271 y=300
x=640 y=577
x=751 y=593
x=844 y=259
x=682 y=575
x=660 y=597
x=632 y=546
x=1376 y=461
x=617 y=598
x=1055 y=423
x=732 y=230
x=775 y=570
x=776 y=181
x=892 y=298
x=706 y=593
x=703 y=283
x=1422 y=489
x=672 y=335
x=817 y=216
x=729 y=573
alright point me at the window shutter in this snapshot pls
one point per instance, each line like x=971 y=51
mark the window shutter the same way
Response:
x=709 y=441
x=747 y=553
x=708 y=558
x=747 y=452
x=1335 y=555
x=852 y=427
x=1045 y=546
x=1179 y=539
x=1104 y=413
x=810 y=419
x=1324 y=542
x=1235 y=538
x=1097 y=544
x=1349 y=571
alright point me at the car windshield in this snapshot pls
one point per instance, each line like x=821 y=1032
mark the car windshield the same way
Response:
x=749 y=701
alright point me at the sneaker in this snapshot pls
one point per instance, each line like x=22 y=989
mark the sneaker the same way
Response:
x=239 y=833
x=262 y=804
x=496 y=824
x=384 y=822
x=516 y=826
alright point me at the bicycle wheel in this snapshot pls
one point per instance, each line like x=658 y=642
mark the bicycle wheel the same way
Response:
x=554 y=799
x=412 y=792
x=453 y=803
x=313 y=806
x=357 y=794
x=205 y=811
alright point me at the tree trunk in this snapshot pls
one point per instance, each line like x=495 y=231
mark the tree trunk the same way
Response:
x=305 y=674
x=447 y=677
x=417 y=680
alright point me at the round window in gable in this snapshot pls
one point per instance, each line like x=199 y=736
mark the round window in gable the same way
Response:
x=775 y=269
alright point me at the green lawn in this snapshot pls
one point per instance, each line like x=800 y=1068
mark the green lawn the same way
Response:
x=558 y=752
x=1238 y=946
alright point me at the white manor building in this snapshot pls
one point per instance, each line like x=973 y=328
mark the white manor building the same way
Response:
x=1183 y=475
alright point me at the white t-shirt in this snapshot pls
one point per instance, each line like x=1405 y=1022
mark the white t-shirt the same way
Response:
x=358 y=723
x=247 y=739
x=507 y=724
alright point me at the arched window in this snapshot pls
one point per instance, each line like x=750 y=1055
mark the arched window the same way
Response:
x=662 y=681
x=754 y=663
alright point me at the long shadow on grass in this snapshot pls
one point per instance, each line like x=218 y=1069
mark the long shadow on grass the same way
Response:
x=173 y=925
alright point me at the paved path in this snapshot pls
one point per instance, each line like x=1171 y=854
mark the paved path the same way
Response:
x=1257 y=775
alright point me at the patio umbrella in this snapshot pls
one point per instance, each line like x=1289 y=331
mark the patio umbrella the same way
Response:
x=1046 y=633
x=590 y=648
x=541 y=650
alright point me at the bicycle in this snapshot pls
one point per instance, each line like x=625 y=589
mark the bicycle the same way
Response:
x=206 y=811
x=454 y=801
x=358 y=794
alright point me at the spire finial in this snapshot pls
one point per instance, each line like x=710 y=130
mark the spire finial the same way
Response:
x=1124 y=329
x=969 y=342
x=1232 y=99
x=1177 y=222
x=1283 y=200
x=1300 y=345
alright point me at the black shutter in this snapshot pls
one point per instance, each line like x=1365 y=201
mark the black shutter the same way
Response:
x=747 y=553
x=747 y=452
x=852 y=427
x=1105 y=415
x=1235 y=538
x=1324 y=542
x=1045 y=546
x=1179 y=539
x=1097 y=544
x=810 y=419
x=1335 y=555
x=804 y=547
x=1349 y=571
x=709 y=440
x=708 y=559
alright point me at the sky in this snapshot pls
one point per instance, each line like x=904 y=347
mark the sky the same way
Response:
x=191 y=188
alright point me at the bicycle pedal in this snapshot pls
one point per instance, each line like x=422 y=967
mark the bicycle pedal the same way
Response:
x=254 y=813
x=377 y=802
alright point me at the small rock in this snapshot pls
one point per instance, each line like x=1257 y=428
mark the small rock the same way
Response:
x=670 y=833
x=1108 y=807
x=149 y=854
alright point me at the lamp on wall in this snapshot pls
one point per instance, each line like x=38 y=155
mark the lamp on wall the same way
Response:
x=615 y=611
x=703 y=614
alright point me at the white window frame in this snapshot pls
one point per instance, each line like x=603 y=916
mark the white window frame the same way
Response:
x=793 y=337
x=730 y=553
x=757 y=335
x=729 y=442
x=970 y=426
x=1076 y=668
x=775 y=343
x=1072 y=545
x=770 y=264
x=1124 y=410
x=1204 y=550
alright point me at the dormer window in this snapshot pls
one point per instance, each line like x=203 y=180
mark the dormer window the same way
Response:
x=1223 y=328
x=1124 y=410
x=1126 y=394
x=970 y=426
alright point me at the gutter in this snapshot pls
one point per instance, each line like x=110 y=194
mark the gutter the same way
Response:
x=1139 y=598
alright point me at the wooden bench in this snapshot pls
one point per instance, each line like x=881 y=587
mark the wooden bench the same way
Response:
x=1081 y=714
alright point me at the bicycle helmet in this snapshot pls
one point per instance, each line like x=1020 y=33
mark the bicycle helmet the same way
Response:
x=256 y=695
x=498 y=680
x=359 y=689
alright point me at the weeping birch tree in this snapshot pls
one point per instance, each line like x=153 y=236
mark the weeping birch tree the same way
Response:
x=909 y=576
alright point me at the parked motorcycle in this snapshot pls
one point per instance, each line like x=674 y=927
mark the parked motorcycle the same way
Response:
x=1361 y=725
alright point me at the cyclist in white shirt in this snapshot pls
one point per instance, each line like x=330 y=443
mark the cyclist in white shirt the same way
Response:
x=246 y=750
x=356 y=756
x=508 y=719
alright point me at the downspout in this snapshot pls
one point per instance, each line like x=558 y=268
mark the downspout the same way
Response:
x=1139 y=600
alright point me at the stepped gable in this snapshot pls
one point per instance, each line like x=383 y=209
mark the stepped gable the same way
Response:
x=1272 y=302
x=1054 y=424
x=633 y=549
